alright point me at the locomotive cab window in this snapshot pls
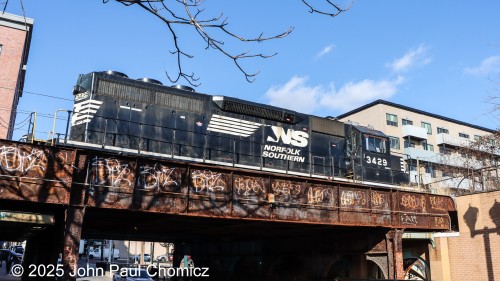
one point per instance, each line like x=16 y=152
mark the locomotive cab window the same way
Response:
x=375 y=144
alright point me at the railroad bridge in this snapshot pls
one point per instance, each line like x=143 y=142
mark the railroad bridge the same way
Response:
x=242 y=224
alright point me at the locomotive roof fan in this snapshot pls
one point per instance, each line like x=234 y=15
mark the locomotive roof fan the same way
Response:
x=116 y=73
x=183 y=87
x=150 y=80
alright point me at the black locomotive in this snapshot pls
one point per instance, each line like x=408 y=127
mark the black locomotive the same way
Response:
x=112 y=111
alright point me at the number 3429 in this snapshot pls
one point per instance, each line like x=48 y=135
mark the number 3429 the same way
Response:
x=376 y=161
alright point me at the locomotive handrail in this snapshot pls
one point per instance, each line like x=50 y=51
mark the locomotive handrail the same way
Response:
x=328 y=167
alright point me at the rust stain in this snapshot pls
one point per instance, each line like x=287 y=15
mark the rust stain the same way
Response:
x=44 y=174
x=39 y=174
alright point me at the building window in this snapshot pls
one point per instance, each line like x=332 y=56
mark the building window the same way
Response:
x=408 y=144
x=428 y=127
x=430 y=170
x=392 y=120
x=394 y=143
x=446 y=174
x=375 y=144
x=443 y=150
x=463 y=135
x=407 y=122
x=442 y=131
x=428 y=147
x=476 y=137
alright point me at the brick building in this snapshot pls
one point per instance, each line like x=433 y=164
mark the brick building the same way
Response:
x=15 y=39
x=473 y=252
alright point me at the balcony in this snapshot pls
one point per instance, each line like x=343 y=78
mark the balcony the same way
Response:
x=423 y=155
x=415 y=132
x=425 y=178
x=451 y=141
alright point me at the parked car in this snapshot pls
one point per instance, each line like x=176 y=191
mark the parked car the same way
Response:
x=147 y=258
x=168 y=257
x=18 y=249
x=96 y=253
x=132 y=274
x=6 y=254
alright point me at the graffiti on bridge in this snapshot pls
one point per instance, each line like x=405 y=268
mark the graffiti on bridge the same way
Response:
x=111 y=172
x=317 y=195
x=208 y=181
x=440 y=222
x=409 y=219
x=249 y=186
x=285 y=188
x=413 y=202
x=377 y=198
x=16 y=160
x=439 y=203
x=350 y=198
x=158 y=177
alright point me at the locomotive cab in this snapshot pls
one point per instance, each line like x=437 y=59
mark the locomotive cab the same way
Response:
x=368 y=156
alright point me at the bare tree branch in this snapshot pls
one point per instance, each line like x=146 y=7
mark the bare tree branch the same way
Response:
x=205 y=28
x=336 y=8
x=475 y=163
x=5 y=5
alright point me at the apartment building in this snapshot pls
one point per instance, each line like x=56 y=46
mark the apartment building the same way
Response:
x=15 y=39
x=432 y=145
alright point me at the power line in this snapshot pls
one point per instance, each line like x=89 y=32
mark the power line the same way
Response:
x=38 y=94
x=23 y=111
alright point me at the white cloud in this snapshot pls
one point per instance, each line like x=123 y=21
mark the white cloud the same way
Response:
x=296 y=95
x=488 y=65
x=355 y=94
x=299 y=96
x=325 y=51
x=412 y=58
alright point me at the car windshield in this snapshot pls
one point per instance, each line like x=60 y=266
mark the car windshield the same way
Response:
x=144 y=274
x=138 y=273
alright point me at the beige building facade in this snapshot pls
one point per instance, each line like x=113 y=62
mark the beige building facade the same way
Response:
x=428 y=142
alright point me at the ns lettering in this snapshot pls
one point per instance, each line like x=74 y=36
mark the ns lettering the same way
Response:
x=289 y=136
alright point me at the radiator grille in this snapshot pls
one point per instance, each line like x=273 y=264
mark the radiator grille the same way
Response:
x=252 y=110
x=179 y=102
x=149 y=96
x=125 y=92
x=327 y=126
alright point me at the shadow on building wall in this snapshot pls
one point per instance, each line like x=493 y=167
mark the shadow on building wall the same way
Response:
x=471 y=216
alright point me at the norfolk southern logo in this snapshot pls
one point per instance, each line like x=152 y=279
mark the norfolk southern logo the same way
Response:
x=232 y=126
x=288 y=137
x=287 y=143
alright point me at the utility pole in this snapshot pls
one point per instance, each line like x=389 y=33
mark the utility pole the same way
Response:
x=418 y=174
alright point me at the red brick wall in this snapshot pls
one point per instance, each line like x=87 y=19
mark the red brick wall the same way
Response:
x=475 y=254
x=13 y=41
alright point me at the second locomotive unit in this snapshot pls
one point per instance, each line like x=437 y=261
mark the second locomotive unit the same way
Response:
x=142 y=116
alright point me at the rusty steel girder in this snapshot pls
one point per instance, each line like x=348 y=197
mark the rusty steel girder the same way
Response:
x=35 y=173
x=109 y=180
x=153 y=185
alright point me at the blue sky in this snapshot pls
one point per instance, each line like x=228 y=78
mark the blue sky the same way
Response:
x=438 y=56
